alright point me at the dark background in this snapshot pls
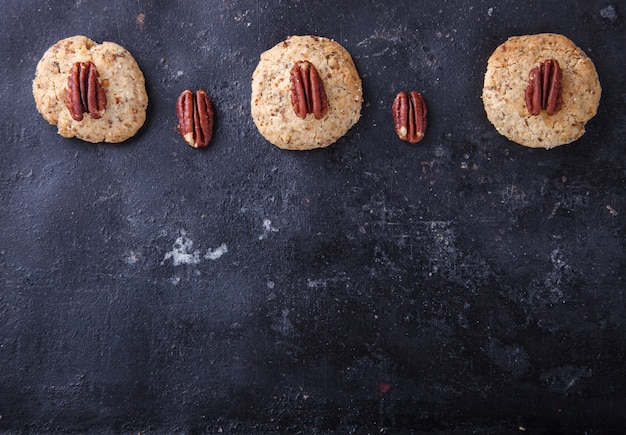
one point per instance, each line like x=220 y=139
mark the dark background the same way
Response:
x=462 y=285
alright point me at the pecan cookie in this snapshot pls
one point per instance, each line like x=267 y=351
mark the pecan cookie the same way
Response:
x=95 y=92
x=540 y=90
x=306 y=93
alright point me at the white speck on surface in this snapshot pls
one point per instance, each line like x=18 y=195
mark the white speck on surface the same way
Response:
x=214 y=254
x=324 y=283
x=267 y=229
x=267 y=225
x=557 y=279
x=317 y=283
x=490 y=12
x=271 y=284
x=132 y=257
x=175 y=280
x=182 y=251
x=609 y=13
x=282 y=324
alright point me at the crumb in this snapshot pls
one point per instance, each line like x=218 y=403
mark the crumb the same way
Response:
x=612 y=211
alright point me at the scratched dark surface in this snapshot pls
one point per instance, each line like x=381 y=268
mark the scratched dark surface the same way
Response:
x=462 y=285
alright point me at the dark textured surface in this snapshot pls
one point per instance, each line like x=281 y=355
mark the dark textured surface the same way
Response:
x=466 y=284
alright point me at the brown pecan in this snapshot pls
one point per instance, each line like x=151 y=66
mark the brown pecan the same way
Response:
x=195 y=118
x=307 y=91
x=85 y=93
x=545 y=88
x=409 y=116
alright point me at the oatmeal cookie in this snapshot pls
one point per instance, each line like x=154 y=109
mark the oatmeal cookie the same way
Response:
x=271 y=105
x=507 y=78
x=120 y=77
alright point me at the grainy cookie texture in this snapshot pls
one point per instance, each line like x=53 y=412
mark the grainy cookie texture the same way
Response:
x=507 y=78
x=271 y=105
x=121 y=78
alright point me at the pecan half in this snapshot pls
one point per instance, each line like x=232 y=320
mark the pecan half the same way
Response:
x=85 y=93
x=195 y=118
x=409 y=116
x=545 y=88
x=307 y=91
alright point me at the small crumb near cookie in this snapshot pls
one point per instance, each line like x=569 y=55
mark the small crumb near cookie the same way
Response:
x=313 y=113
x=507 y=80
x=611 y=210
x=117 y=74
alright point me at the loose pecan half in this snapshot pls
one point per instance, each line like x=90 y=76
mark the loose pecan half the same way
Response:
x=409 y=116
x=85 y=93
x=195 y=118
x=545 y=88
x=307 y=91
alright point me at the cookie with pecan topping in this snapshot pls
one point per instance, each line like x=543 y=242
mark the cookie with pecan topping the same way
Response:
x=306 y=93
x=94 y=92
x=513 y=70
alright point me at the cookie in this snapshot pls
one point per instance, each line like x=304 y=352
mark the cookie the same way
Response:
x=507 y=78
x=120 y=77
x=271 y=105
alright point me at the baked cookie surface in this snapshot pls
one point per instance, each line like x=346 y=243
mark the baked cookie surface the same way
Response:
x=507 y=78
x=271 y=105
x=119 y=74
